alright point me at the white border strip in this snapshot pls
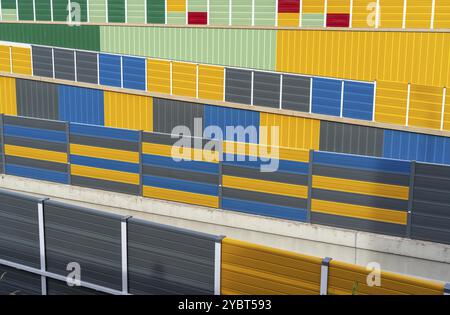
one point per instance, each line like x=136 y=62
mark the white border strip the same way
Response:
x=124 y=252
x=42 y=245
x=217 y=267
x=405 y=5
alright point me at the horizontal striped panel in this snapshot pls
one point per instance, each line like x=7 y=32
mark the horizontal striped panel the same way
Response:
x=96 y=183
x=425 y=107
x=103 y=174
x=158 y=76
x=391 y=102
x=33 y=163
x=104 y=153
x=184 y=153
x=186 y=175
x=21 y=60
x=38 y=154
x=181 y=196
x=169 y=162
x=103 y=132
x=5 y=58
x=104 y=163
x=36 y=173
x=210 y=82
x=255 y=173
x=183 y=185
x=184 y=79
x=282 y=165
x=34 y=133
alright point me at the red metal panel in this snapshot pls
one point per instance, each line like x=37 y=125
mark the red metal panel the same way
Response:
x=198 y=18
x=288 y=6
x=338 y=20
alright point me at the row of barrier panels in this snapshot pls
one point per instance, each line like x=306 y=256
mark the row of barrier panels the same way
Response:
x=53 y=248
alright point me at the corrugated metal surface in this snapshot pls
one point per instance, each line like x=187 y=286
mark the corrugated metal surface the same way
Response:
x=210 y=82
x=87 y=67
x=352 y=139
x=37 y=99
x=326 y=96
x=168 y=114
x=223 y=117
x=21 y=60
x=391 y=102
x=60 y=11
x=313 y=13
x=167 y=260
x=294 y=132
x=36 y=148
x=278 y=271
x=418 y=14
x=446 y=125
x=97 y=11
x=128 y=111
x=43 y=11
x=363 y=14
x=25 y=9
x=5 y=58
x=19 y=231
x=238 y=86
x=358 y=100
x=90 y=238
x=56 y=287
x=42 y=61
x=158 y=76
x=266 y=89
x=8 y=104
x=416 y=147
x=430 y=219
x=17 y=282
x=184 y=79
x=136 y=11
x=133 y=73
x=81 y=105
x=296 y=93
x=241 y=12
x=116 y=11
x=219 y=12
x=64 y=64
x=425 y=107
x=155 y=11
x=442 y=15
x=361 y=193
x=265 y=12
x=110 y=70
x=391 y=16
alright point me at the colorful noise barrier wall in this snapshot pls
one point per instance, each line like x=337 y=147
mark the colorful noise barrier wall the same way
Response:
x=125 y=255
x=371 y=194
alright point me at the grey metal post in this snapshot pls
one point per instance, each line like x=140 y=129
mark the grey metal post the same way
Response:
x=69 y=164
x=447 y=288
x=124 y=253
x=42 y=245
x=221 y=157
x=141 y=187
x=324 y=275
x=310 y=176
x=217 y=266
x=411 y=198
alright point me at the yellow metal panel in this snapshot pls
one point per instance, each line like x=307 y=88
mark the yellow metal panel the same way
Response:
x=360 y=187
x=104 y=153
x=21 y=60
x=313 y=6
x=181 y=196
x=294 y=132
x=210 y=82
x=391 y=13
x=180 y=152
x=360 y=212
x=158 y=76
x=265 y=186
x=338 y=6
x=363 y=13
x=5 y=58
x=425 y=109
x=38 y=154
x=391 y=102
x=184 y=79
x=8 y=103
x=176 y=5
x=447 y=111
x=418 y=13
x=288 y=19
x=128 y=111
x=442 y=14
x=105 y=174
x=263 y=151
x=254 y=269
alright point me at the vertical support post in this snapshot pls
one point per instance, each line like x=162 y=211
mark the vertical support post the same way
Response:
x=98 y=69
x=224 y=82
x=377 y=14
x=17 y=10
x=10 y=60
x=281 y=91
x=42 y=245
x=276 y=13
x=196 y=80
x=53 y=62
x=230 y=12
x=412 y=177
x=126 y=11
x=187 y=12
x=171 y=77
x=87 y=11
x=325 y=12
x=51 y=10
x=408 y=99
x=34 y=10
x=217 y=266
x=447 y=288
x=350 y=22
x=124 y=252
x=341 y=113
x=1 y=11
x=221 y=157
x=121 y=71
x=31 y=57
x=310 y=177
x=310 y=94
x=374 y=107
x=141 y=172
x=75 y=65
x=252 y=85
x=433 y=13
x=444 y=96
x=405 y=5
x=300 y=14
x=324 y=275
x=165 y=11
x=69 y=164
x=3 y=166
x=207 y=11
x=253 y=12
x=107 y=13
x=145 y=12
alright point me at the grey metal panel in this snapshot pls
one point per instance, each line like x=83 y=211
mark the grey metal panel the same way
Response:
x=180 y=174
x=35 y=123
x=37 y=99
x=19 y=230
x=18 y=282
x=44 y=145
x=42 y=61
x=56 y=287
x=52 y=166
x=105 y=142
x=266 y=89
x=255 y=173
x=167 y=260
x=296 y=93
x=87 y=67
x=238 y=86
x=105 y=185
x=64 y=64
x=88 y=237
x=166 y=139
x=358 y=224
x=353 y=139
x=168 y=114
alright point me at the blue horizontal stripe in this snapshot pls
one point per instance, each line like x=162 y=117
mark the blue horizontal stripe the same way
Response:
x=104 y=163
x=264 y=209
x=34 y=133
x=104 y=132
x=362 y=162
x=37 y=173
x=195 y=166
x=182 y=185
x=283 y=165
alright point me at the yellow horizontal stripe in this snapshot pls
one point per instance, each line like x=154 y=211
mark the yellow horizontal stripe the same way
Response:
x=38 y=154
x=98 y=173
x=360 y=212
x=186 y=153
x=103 y=153
x=359 y=187
x=181 y=196
x=265 y=186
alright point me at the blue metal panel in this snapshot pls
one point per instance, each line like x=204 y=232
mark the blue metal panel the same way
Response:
x=416 y=147
x=222 y=117
x=97 y=131
x=133 y=73
x=81 y=105
x=283 y=165
x=195 y=166
x=326 y=96
x=358 y=100
x=110 y=71
x=182 y=185
x=37 y=173
x=104 y=163
x=35 y=133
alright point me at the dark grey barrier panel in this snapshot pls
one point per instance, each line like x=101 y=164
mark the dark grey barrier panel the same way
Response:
x=296 y=93
x=56 y=287
x=88 y=237
x=19 y=228
x=266 y=89
x=37 y=99
x=87 y=67
x=238 y=86
x=42 y=61
x=168 y=260
x=64 y=64
x=168 y=114
x=18 y=282
x=2 y=152
x=431 y=203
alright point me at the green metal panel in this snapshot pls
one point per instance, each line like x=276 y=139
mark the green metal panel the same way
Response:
x=60 y=35
x=9 y=14
x=60 y=12
x=97 y=11
x=79 y=7
x=116 y=11
x=25 y=8
x=177 y=18
x=156 y=11
x=312 y=20
x=231 y=47
x=43 y=10
x=8 y=4
x=241 y=12
x=219 y=12
x=197 y=6
x=136 y=11
x=265 y=12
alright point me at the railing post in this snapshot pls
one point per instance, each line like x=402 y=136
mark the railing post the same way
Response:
x=218 y=265
x=124 y=253
x=447 y=288
x=42 y=245
x=309 y=197
x=412 y=177
x=324 y=275
x=69 y=164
